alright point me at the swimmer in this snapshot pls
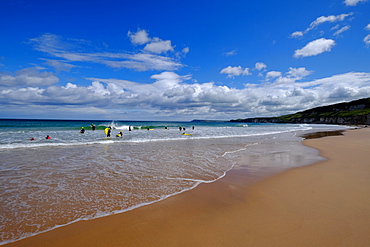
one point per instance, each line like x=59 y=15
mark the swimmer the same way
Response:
x=48 y=137
x=120 y=134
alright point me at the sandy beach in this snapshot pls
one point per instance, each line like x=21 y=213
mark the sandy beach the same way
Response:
x=324 y=204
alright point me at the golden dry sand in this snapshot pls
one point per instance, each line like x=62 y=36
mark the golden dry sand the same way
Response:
x=325 y=204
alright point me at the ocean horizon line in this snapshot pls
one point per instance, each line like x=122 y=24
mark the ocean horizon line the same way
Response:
x=119 y=120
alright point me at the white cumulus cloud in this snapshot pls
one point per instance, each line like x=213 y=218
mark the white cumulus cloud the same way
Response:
x=299 y=73
x=296 y=34
x=273 y=74
x=139 y=38
x=186 y=50
x=260 y=66
x=154 y=45
x=159 y=46
x=293 y=75
x=167 y=80
x=315 y=47
x=353 y=2
x=235 y=71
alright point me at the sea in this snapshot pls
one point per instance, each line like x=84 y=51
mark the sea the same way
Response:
x=73 y=176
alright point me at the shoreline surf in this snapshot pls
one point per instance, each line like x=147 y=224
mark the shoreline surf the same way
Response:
x=229 y=211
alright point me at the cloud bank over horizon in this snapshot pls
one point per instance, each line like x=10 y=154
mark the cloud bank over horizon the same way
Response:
x=172 y=95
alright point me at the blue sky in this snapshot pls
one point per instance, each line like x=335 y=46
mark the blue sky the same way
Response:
x=180 y=60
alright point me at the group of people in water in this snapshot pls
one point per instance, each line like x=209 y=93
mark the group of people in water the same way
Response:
x=120 y=134
x=109 y=129
x=106 y=130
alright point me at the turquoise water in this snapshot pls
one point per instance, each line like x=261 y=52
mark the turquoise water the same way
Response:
x=18 y=133
x=45 y=184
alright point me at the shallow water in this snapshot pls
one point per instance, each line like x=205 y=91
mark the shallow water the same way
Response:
x=48 y=184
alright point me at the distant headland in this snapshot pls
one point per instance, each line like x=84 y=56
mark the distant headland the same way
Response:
x=348 y=113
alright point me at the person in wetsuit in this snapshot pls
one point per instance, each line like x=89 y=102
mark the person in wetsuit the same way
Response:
x=108 y=130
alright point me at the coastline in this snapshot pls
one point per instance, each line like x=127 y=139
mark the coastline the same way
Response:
x=324 y=204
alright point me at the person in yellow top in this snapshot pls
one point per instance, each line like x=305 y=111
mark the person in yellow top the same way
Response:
x=107 y=131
